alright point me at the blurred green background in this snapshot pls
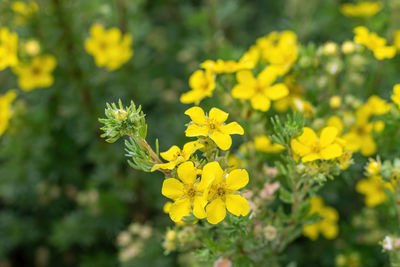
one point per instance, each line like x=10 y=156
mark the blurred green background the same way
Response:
x=65 y=194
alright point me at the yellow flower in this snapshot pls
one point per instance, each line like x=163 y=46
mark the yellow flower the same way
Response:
x=373 y=167
x=264 y=144
x=377 y=105
x=176 y=156
x=374 y=42
x=202 y=84
x=309 y=147
x=110 y=48
x=224 y=193
x=212 y=126
x=396 y=39
x=335 y=101
x=396 y=95
x=5 y=110
x=8 y=48
x=188 y=192
x=280 y=50
x=330 y=48
x=362 y=9
x=37 y=74
x=260 y=90
x=373 y=190
x=360 y=138
x=32 y=47
x=336 y=122
x=229 y=66
x=328 y=226
x=348 y=47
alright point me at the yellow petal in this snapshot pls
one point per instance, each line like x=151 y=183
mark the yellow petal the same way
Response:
x=368 y=146
x=212 y=171
x=187 y=172
x=164 y=166
x=180 y=209
x=308 y=137
x=232 y=128
x=197 y=115
x=276 y=92
x=267 y=76
x=171 y=153
x=299 y=148
x=237 y=205
x=246 y=77
x=191 y=147
x=328 y=135
x=311 y=157
x=260 y=102
x=242 y=91
x=329 y=230
x=223 y=141
x=196 y=79
x=199 y=203
x=237 y=179
x=332 y=151
x=172 y=188
x=218 y=115
x=195 y=130
x=193 y=96
x=216 y=211
x=311 y=231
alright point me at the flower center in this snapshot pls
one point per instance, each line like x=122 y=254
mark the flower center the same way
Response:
x=36 y=71
x=316 y=148
x=221 y=192
x=360 y=130
x=191 y=192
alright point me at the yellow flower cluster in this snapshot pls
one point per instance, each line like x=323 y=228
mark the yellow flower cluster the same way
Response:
x=359 y=137
x=361 y=9
x=277 y=52
x=8 y=48
x=374 y=42
x=310 y=147
x=328 y=226
x=36 y=74
x=373 y=188
x=5 y=110
x=206 y=197
x=110 y=48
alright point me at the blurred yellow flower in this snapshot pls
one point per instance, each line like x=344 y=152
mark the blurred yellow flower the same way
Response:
x=8 y=48
x=224 y=193
x=202 y=84
x=396 y=95
x=24 y=9
x=261 y=90
x=362 y=9
x=212 y=126
x=328 y=226
x=374 y=42
x=373 y=167
x=264 y=144
x=309 y=147
x=176 y=156
x=330 y=48
x=335 y=101
x=279 y=49
x=5 y=110
x=37 y=74
x=348 y=47
x=32 y=47
x=187 y=192
x=110 y=48
x=373 y=189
